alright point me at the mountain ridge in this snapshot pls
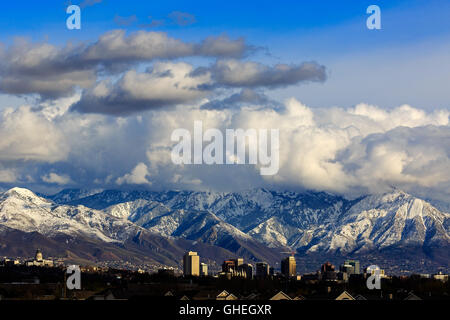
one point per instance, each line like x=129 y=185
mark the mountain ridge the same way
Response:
x=259 y=224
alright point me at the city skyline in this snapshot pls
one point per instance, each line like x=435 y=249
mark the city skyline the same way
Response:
x=232 y=268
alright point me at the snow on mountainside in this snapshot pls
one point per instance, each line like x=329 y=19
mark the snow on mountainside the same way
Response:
x=382 y=221
x=400 y=218
x=311 y=222
x=23 y=210
x=196 y=225
x=193 y=225
x=138 y=211
x=243 y=210
x=139 y=229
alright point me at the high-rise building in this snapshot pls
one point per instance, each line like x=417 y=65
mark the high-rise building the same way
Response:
x=237 y=268
x=232 y=265
x=348 y=269
x=203 y=269
x=289 y=267
x=262 y=270
x=327 y=267
x=191 y=264
x=327 y=272
x=229 y=266
x=354 y=264
x=247 y=269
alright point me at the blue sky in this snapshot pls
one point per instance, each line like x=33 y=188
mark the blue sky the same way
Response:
x=332 y=33
x=402 y=20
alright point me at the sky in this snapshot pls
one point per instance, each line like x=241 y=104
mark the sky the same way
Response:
x=359 y=111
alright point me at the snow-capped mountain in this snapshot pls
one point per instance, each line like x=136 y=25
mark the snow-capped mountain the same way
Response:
x=373 y=223
x=23 y=210
x=197 y=225
x=256 y=224
x=244 y=210
x=149 y=225
x=310 y=221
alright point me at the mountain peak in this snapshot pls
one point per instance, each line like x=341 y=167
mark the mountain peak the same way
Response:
x=23 y=196
x=20 y=191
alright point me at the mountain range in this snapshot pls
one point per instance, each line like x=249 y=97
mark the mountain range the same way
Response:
x=87 y=226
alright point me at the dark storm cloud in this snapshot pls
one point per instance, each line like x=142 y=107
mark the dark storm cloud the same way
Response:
x=165 y=85
x=50 y=71
x=224 y=47
x=171 y=84
x=236 y=73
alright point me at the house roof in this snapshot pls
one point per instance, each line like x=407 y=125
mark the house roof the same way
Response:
x=345 y=296
x=412 y=296
x=281 y=296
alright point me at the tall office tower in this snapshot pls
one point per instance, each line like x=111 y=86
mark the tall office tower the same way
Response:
x=191 y=264
x=327 y=272
x=347 y=268
x=229 y=266
x=289 y=267
x=239 y=261
x=247 y=268
x=354 y=264
x=262 y=270
x=203 y=269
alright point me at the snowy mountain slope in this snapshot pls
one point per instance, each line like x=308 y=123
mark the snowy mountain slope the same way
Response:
x=243 y=210
x=205 y=227
x=273 y=232
x=21 y=209
x=138 y=211
x=192 y=225
x=310 y=221
x=113 y=232
x=199 y=226
x=107 y=198
x=382 y=221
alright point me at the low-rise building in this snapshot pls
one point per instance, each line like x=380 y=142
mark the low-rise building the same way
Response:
x=9 y=262
x=39 y=261
x=440 y=276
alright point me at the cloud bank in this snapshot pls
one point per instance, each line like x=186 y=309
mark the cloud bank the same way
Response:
x=347 y=151
x=50 y=71
x=123 y=73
